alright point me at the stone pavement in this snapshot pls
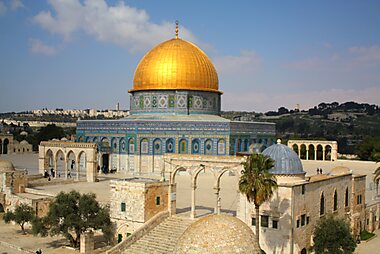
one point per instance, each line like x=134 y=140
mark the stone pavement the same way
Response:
x=370 y=247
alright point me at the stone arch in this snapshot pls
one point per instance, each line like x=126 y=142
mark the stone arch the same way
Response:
x=322 y=205
x=303 y=152
x=327 y=152
x=81 y=169
x=182 y=146
x=295 y=149
x=174 y=173
x=72 y=164
x=60 y=162
x=170 y=145
x=312 y=152
x=319 y=152
x=49 y=158
x=303 y=251
x=195 y=146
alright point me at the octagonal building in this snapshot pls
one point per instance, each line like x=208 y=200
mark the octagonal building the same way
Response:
x=175 y=107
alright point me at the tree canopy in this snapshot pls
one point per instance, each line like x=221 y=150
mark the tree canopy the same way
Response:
x=71 y=214
x=332 y=235
x=257 y=183
x=22 y=214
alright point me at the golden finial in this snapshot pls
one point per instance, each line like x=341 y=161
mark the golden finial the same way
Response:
x=176 y=29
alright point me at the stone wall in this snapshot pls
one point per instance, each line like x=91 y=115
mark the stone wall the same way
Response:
x=139 y=197
x=296 y=208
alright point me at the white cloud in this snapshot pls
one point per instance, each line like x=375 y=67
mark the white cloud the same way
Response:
x=3 y=8
x=39 y=47
x=119 y=24
x=16 y=4
x=246 y=62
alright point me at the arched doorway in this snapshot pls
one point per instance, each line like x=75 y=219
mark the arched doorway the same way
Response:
x=311 y=152
x=60 y=162
x=71 y=165
x=303 y=152
x=295 y=149
x=328 y=152
x=5 y=146
x=82 y=168
x=303 y=251
x=319 y=152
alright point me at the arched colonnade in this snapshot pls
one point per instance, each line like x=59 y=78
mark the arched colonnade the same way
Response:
x=79 y=159
x=195 y=165
x=315 y=149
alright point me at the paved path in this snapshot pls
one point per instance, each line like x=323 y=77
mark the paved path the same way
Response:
x=370 y=247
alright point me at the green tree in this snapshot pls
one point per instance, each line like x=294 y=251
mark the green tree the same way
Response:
x=332 y=235
x=71 y=214
x=369 y=149
x=257 y=183
x=22 y=214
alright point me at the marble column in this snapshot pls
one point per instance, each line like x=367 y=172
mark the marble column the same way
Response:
x=193 y=188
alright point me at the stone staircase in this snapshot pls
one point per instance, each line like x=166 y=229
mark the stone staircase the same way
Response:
x=162 y=239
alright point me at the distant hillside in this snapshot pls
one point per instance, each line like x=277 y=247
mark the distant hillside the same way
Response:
x=348 y=123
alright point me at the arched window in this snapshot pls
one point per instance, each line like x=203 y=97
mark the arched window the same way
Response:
x=157 y=148
x=122 y=145
x=183 y=146
x=195 y=147
x=170 y=145
x=346 y=198
x=335 y=200
x=131 y=146
x=144 y=146
x=221 y=147
x=208 y=146
x=303 y=251
x=322 y=205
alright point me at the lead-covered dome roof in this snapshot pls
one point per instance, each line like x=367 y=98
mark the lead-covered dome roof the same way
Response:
x=286 y=161
x=215 y=234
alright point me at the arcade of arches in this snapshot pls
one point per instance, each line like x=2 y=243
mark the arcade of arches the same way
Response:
x=68 y=160
x=315 y=149
x=194 y=165
x=6 y=141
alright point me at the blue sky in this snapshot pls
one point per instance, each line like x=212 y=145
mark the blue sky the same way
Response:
x=82 y=54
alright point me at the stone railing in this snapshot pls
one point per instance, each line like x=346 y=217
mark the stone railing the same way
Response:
x=145 y=229
x=67 y=144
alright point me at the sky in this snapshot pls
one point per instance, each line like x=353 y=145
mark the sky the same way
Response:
x=79 y=54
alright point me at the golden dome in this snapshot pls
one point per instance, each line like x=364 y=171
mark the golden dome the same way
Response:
x=176 y=64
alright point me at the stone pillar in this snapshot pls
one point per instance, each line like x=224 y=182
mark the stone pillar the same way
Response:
x=65 y=166
x=87 y=242
x=315 y=153
x=323 y=153
x=371 y=222
x=307 y=153
x=193 y=188
x=55 y=168
x=234 y=146
x=100 y=163
x=217 y=205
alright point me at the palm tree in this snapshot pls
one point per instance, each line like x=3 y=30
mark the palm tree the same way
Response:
x=257 y=183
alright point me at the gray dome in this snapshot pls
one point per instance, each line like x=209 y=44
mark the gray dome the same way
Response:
x=286 y=161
